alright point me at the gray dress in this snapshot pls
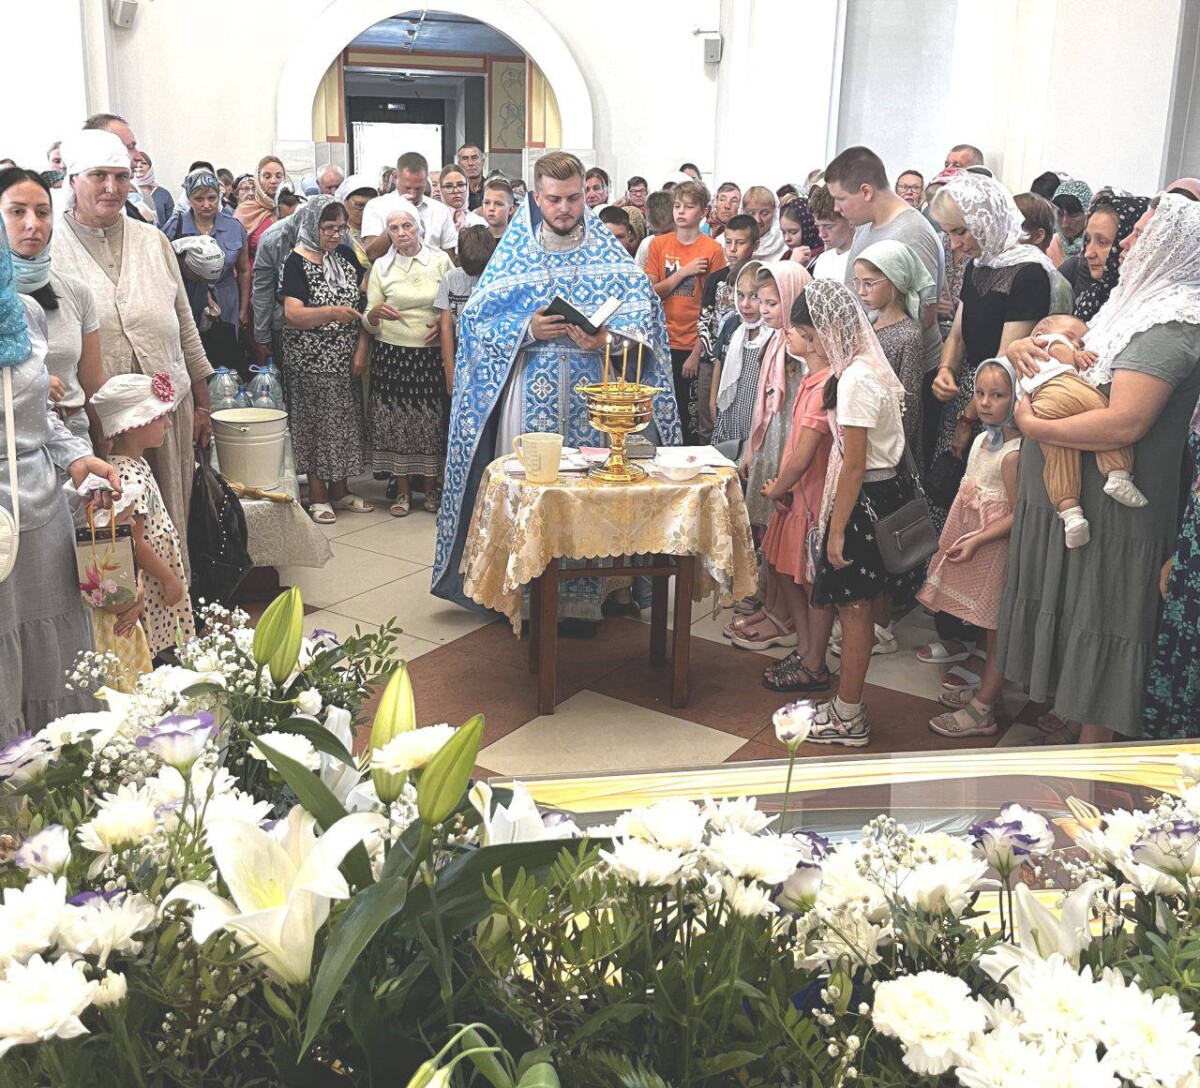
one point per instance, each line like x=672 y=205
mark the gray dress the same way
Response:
x=43 y=622
x=765 y=465
x=1077 y=627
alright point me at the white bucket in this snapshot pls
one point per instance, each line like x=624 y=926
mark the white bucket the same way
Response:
x=250 y=444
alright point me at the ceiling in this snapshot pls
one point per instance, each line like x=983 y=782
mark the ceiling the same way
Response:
x=435 y=32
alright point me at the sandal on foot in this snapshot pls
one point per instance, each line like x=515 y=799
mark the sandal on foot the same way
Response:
x=968 y=721
x=433 y=500
x=748 y=606
x=739 y=624
x=791 y=674
x=322 y=513
x=356 y=504
x=766 y=633
x=885 y=643
x=939 y=653
x=967 y=675
x=957 y=698
x=400 y=507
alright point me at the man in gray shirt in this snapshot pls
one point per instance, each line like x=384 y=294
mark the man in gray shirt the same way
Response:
x=861 y=192
x=277 y=241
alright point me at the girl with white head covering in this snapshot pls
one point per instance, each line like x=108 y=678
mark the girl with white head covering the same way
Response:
x=966 y=575
x=409 y=386
x=864 y=482
x=1077 y=627
x=325 y=352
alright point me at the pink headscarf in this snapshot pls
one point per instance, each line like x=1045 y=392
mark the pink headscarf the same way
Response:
x=790 y=280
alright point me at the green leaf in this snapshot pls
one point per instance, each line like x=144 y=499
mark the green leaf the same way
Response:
x=445 y=778
x=205 y=687
x=461 y=899
x=541 y=1075
x=483 y=1057
x=369 y=910
x=403 y=855
x=531 y=1058
x=319 y=737
x=318 y=799
x=612 y=1014
x=278 y=1005
x=723 y=1063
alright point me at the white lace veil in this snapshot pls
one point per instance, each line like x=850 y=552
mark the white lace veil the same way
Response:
x=846 y=335
x=1160 y=282
x=995 y=222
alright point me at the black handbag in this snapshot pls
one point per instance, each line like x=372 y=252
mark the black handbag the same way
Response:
x=942 y=481
x=906 y=537
x=217 y=536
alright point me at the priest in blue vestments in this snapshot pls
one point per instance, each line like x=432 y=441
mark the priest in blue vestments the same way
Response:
x=516 y=367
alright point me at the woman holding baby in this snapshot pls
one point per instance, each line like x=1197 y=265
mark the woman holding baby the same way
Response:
x=1077 y=626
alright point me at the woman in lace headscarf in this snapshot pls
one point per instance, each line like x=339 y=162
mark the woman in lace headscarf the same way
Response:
x=1005 y=292
x=1077 y=628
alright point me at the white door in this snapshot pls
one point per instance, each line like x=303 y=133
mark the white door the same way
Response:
x=380 y=143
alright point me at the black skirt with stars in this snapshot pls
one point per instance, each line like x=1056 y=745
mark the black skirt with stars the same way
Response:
x=866 y=577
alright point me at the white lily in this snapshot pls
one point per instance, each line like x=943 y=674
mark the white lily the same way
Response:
x=518 y=821
x=1068 y=934
x=281 y=886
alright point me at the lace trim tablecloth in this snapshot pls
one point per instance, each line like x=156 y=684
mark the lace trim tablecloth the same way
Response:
x=517 y=527
x=282 y=534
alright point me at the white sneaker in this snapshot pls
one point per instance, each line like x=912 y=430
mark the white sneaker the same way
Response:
x=1120 y=486
x=1075 y=527
x=885 y=641
x=829 y=727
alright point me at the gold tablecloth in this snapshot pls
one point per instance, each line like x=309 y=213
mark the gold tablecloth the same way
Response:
x=517 y=527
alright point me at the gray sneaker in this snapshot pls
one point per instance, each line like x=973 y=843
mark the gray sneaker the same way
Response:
x=829 y=727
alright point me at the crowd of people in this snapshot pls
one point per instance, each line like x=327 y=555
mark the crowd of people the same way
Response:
x=1027 y=363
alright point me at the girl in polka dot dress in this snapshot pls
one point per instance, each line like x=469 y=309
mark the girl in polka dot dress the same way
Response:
x=135 y=412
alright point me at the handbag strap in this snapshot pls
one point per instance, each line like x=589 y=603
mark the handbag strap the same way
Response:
x=10 y=435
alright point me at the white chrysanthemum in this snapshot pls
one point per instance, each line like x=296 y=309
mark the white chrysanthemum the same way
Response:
x=125 y=818
x=1149 y=1041
x=939 y=846
x=111 y=991
x=30 y=917
x=752 y=857
x=100 y=725
x=292 y=745
x=998 y=1059
x=1056 y=1002
x=843 y=887
x=309 y=702
x=235 y=806
x=100 y=927
x=737 y=814
x=645 y=864
x=747 y=900
x=41 y=1001
x=413 y=750
x=674 y=824
x=943 y=886
x=933 y=1016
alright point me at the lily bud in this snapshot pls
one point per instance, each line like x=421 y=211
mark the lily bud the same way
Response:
x=397 y=714
x=278 y=635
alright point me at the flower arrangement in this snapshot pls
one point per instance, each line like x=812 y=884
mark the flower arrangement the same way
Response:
x=220 y=878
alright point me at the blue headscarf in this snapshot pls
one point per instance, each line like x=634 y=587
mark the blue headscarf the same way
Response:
x=995 y=434
x=14 y=332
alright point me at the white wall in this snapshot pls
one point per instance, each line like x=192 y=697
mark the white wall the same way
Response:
x=1076 y=85
x=43 y=89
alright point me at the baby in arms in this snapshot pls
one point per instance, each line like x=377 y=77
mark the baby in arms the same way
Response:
x=1057 y=391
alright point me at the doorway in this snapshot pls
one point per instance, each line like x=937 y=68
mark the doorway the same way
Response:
x=378 y=144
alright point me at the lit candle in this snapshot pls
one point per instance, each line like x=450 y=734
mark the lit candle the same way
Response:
x=624 y=361
x=639 y=367
x=607 y=347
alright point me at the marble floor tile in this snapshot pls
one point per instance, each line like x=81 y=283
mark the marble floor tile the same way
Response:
x=351 y=571
x=408 y=599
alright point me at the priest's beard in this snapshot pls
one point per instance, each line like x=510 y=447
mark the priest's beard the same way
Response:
x=563 y=232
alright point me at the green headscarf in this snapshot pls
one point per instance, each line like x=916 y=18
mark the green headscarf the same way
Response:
x=903 y=268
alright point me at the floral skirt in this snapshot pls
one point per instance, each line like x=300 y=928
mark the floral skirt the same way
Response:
x=408 y=415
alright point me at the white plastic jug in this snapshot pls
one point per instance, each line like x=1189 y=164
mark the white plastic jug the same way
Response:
x=250 y=444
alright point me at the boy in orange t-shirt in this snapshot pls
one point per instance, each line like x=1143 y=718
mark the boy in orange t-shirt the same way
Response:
x=677 y=265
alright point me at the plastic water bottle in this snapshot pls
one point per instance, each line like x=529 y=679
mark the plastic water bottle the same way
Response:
x=266 y=389
x=242 y=400
x=222 y=389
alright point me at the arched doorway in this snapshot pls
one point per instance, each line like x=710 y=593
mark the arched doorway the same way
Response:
x=306 y=75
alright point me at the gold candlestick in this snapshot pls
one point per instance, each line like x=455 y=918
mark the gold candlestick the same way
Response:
x=607 y=348
x=624 y=361
x=618 y=410
x=639 y=365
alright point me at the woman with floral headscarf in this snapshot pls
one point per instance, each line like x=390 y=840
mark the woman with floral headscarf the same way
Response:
x=1111 y=220
x=1071 y=201
x=864 y=482
x=1077 y=627
x=325 y=352
x=1005 y=292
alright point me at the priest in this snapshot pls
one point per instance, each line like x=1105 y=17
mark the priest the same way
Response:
x=517 y=367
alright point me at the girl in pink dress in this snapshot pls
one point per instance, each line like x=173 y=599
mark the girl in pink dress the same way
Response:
x=797 y=493
x=966 y=576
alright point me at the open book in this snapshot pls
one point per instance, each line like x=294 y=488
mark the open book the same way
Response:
x=560 y=307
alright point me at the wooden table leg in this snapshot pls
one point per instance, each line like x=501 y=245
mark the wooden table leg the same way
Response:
x=535 y=621
x=682 y=637
x=548 y=637
x=659 y=585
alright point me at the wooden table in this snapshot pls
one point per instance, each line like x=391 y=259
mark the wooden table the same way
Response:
x=543 y=618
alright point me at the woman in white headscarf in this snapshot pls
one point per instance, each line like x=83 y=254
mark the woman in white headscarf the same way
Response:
x=324 y=358
x=408 y=410
x=1077 y=626
x=1005 y=292
x=354 y=193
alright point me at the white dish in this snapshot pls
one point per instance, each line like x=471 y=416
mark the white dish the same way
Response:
x=679 y=473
